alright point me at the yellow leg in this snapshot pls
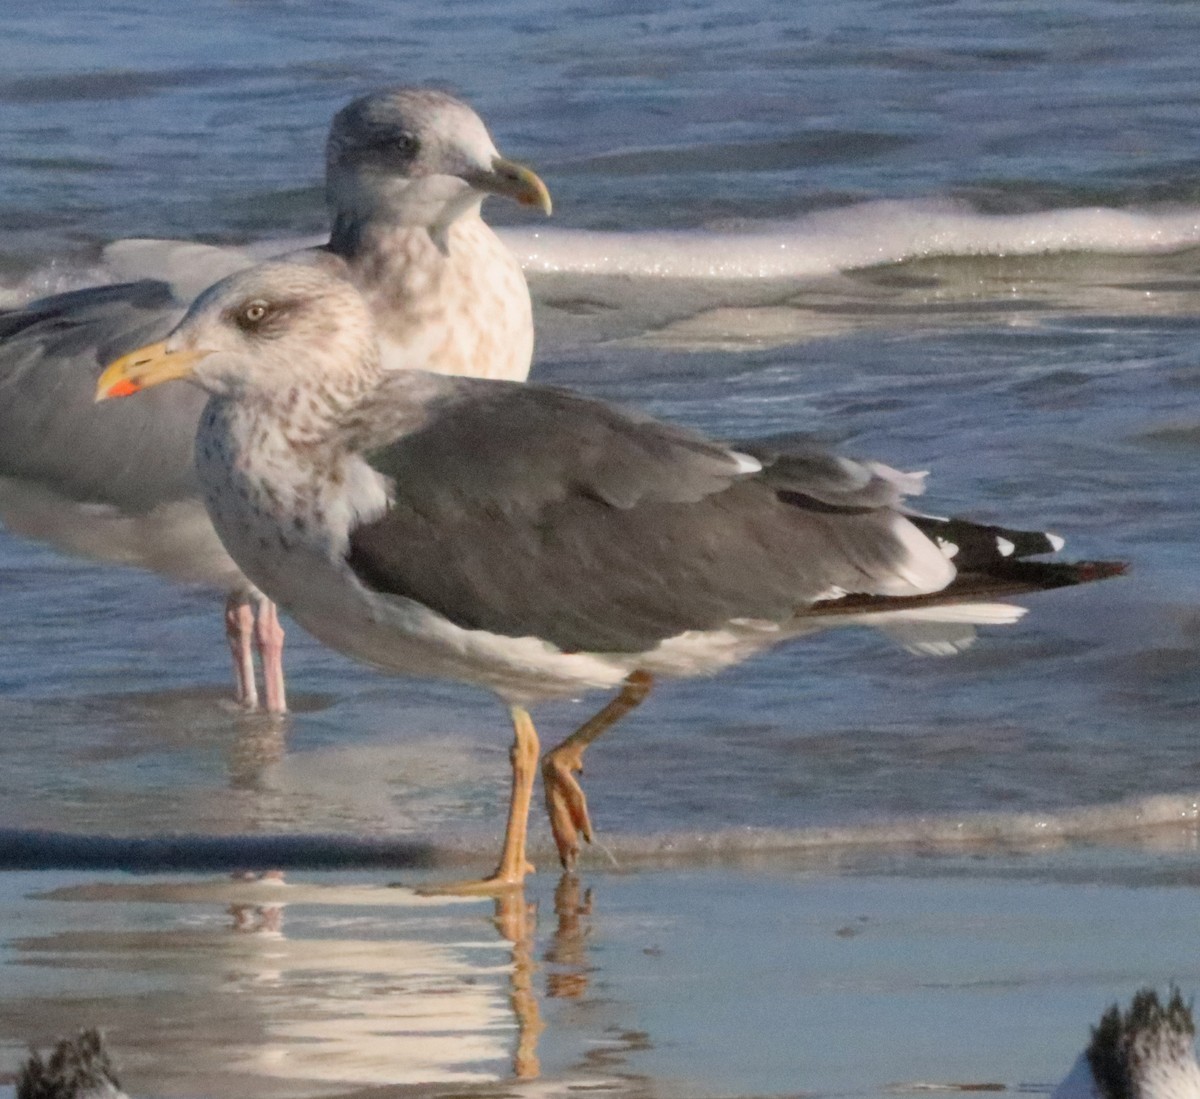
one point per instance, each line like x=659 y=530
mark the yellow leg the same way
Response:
x=565 y=801
x=524 y=756
x=513 y=865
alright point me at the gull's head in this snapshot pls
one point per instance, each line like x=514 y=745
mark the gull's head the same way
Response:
x=1145 y=1052
x=79 y=1068
x=420 y=157
x=261 y=334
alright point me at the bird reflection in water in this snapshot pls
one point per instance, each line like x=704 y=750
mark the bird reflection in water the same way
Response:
x=260 y=744
x=355 y=986
x=254 y=919
x=568 y=947
x=515 y=919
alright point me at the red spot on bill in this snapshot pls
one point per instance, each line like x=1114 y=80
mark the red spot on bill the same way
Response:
x=124 y=388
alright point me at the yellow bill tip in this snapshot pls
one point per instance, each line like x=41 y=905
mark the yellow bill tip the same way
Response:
x=519 y=182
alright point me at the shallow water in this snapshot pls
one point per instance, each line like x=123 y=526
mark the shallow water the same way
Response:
x=878 y=978
x=956 y=237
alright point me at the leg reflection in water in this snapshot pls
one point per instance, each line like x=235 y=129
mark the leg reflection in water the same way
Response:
x=568 y=948
x=332 y=981
x=253 y=919
x=516 y=920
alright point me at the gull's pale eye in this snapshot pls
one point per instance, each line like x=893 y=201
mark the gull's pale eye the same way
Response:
x=252 y=314
x=262 y=318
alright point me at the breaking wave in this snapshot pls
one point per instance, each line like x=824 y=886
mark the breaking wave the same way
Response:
x=1162 y=822
x=813 y=245
x=843 y=239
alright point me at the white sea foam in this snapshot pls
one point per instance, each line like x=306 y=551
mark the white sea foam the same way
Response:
x=845 y=238
x=1163 y=821
x=813 y=245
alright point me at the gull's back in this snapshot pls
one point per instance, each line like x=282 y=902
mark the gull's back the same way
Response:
x=51 y=353
x=115 y=483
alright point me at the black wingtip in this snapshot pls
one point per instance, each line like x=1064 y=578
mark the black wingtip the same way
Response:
x=1087 y=571
x=1044 y=575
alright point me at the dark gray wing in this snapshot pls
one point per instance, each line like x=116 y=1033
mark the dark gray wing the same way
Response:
x=133 y=455
x=530 y=511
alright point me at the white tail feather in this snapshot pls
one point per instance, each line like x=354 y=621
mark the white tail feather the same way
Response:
x=935 y=631
x=976 y=614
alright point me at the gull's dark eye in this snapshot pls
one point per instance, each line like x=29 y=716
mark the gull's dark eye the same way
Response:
x=395 y=146
x=389 y=142
x=404 y=144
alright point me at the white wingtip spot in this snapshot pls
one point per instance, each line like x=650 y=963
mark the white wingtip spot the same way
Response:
x=907 y=484
x=949 y=549
x=1056 y=541
x=1005 y=547
x=745 y=463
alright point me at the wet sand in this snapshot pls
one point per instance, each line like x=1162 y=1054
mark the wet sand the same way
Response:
x=889 y=975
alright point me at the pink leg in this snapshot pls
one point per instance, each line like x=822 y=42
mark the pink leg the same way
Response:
x=268 y=637
x=239 y=626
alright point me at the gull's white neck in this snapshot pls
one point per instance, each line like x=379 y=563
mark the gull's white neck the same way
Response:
x=363 y=206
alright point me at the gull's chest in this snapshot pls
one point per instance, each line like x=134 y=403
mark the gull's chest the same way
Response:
x=282 y=512
x=465 y=312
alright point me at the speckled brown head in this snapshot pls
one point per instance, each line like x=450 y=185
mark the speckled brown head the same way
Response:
x=257 y=334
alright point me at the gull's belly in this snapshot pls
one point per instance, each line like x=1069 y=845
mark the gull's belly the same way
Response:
x=403 y=636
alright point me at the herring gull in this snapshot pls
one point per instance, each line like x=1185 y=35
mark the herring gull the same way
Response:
x=77 y=1068
x=406 y=174
x=1147 y=1051
x=535 y=542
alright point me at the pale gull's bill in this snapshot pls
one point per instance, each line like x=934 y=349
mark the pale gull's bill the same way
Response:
x=535 y=542
x=1147 y=1051
x=406 y=174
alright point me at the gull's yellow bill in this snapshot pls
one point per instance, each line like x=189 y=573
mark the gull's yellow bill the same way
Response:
x=147 y=366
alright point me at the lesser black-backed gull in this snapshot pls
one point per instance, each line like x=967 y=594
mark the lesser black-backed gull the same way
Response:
x=406 y=173
x=533 y=541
